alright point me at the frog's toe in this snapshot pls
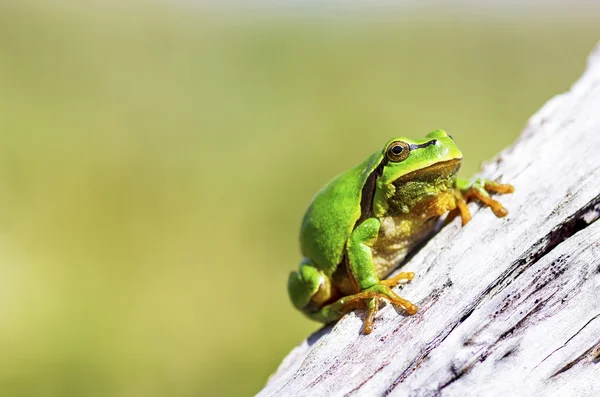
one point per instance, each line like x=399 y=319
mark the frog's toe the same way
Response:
x=408 y=306
x=497 y=207
x=499 y=210
x=399 y=278
x=373 y=308
x=500 y=188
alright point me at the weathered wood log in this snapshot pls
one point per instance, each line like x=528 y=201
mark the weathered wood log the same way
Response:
x=507 y=307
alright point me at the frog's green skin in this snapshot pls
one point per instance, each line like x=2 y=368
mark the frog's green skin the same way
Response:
x=362 y=224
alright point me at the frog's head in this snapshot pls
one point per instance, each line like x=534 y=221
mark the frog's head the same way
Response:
x=430 y=163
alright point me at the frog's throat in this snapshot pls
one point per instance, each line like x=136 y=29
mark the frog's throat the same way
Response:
x=422 y=188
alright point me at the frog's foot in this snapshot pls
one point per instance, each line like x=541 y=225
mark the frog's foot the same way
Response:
x=383 y=290
x=480 y=189
x=373 y=303
x=371 y=297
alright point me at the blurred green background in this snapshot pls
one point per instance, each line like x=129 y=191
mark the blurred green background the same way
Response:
x=156 y=160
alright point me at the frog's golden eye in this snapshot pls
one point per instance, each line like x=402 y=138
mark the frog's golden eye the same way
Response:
x=398 y=151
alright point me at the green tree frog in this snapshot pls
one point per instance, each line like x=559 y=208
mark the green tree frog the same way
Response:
x=365 y=222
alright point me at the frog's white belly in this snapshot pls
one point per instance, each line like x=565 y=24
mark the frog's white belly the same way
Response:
x=398 y=236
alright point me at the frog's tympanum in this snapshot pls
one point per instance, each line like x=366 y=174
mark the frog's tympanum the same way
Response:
x=365 y=222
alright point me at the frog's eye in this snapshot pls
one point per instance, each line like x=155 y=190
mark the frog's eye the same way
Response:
x=398 y=151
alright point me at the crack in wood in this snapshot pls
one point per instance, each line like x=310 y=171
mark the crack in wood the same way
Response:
x=567 y=341
x=592 y=353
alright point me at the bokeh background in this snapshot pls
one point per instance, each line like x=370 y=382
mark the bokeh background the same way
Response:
x=156 y=159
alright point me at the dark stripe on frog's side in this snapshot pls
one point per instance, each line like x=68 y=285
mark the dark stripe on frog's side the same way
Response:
x=368 y=193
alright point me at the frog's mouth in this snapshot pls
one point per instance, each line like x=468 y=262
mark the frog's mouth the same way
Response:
x=438 y=171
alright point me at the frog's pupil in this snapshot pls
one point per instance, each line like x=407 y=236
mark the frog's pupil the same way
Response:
x=397 y=149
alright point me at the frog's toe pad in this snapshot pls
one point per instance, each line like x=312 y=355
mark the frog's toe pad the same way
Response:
x=411 y=309
x=500 y=211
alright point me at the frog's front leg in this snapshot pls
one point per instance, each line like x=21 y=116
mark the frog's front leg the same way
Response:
x=480 y=188
x=361 y=267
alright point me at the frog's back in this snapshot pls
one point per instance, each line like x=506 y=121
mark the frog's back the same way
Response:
x=332 y=214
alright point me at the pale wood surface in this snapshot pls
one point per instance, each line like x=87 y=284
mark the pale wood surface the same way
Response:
x=507 y=306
